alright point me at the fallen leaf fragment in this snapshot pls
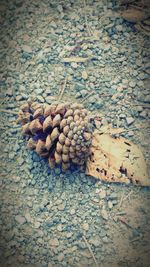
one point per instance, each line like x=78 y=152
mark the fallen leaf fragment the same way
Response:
x=134 y=15
x=116 y=160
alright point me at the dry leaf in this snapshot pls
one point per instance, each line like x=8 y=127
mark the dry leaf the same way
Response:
x=134 y=15
x=112 y=131
x=116 y=160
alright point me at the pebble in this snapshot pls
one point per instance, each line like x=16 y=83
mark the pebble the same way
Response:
x=122 y=116
x=102 y=194
x=37 y=225
x=60 y=228
x=28 y=217
x=16 y=179
x=54 y=242
x=72 y=211
x=95 y=241
x=132 y=84
x=62 y=206
x=20 y=219
x=129 y=120
x=85 y=226
x=110 y=205
x=60 y=8
x=60 y=257
x=83 y=93
x=119 y=28
x=104 y=214
x=105 y=239
x=143 y=114
x=27 y=48
x=131 y=133
x=74 y=65
x=84 y=75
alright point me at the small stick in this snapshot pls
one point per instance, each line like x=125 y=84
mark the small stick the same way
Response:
x=120 y=213
x=124 y=222
x=127 y=195
x=103 y=95
x=121 y=200
x=124 y=198
x=86 y=97
x=88 y=28
x=9 y=111
x=63 y=89
x=89 y=248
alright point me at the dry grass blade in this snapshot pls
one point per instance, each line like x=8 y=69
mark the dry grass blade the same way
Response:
x=86 y=21
x=63 y=89
x=9 y=111
x=74 y=59
x=89 y=248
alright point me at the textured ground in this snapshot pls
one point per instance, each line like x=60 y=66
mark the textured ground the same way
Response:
x=47 y=216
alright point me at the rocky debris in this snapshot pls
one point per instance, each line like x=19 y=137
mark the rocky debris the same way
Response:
x=35 y=41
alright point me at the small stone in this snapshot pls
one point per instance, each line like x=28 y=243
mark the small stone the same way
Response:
x=132 y=84
x=122 y=116
x=54 y=242
x=28 y=217
x=102 y=194
x=95 y=241
x=16 y=179
x=20 y=161
x=110 y=205
x=50 y=265
x=72 y=211
x=84 y=75
x=119 y=28
x=131 y=133
x=105 y=239
x=59 y=228
x=139 y=108
x=143 y=114
x=40 y=98
x=37 y=225
x=129 y=120
x=68 y=235
x=104 y=214
x=85 y=226
x=33 y=182
x=60 y=8
x=27 y=48
x=83 y=92
x=61 y=206
x=61 y=257
x=9 y=92
x=74 y=65
x=20 y=219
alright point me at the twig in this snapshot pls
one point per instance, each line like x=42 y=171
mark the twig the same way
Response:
x=124 y=222
x=86 y=97
x=9 y=111
x=75 y=59
x=123 y=198
x=89 y=248
x=63 y=89
x=120 y=213
x=88 y=28
x=103 y=95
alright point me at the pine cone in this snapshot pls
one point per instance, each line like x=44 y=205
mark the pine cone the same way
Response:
x=61 y=132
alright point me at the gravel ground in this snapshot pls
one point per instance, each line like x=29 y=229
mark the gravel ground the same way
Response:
x=51 y=218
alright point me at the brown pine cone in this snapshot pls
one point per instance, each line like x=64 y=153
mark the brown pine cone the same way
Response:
x=61 y=132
